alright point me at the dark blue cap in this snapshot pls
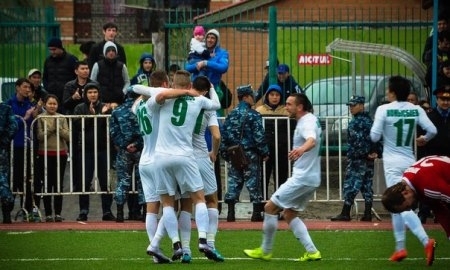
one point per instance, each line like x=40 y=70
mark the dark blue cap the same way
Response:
x=355 y=100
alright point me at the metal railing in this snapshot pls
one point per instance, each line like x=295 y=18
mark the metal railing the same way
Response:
x=333 y=165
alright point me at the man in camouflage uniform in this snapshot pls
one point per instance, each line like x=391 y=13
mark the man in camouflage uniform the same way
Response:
x=244 y=126
x=124 y=130
x=8 y=128
x=360 y=157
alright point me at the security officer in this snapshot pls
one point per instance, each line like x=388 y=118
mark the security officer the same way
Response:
x=8 y=128
x=244 y=126
x=440 y=144
x=360 y=157
x=124 y=130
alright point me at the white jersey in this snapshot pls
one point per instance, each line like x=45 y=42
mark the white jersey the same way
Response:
x=178 y=119
x=396 y=122
x=198 y=138
x=148 y=125
x=307 y=167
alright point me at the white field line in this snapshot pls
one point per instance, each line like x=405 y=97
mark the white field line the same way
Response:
x=201 y=258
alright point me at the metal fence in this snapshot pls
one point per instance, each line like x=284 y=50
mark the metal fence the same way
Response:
x=332 y=165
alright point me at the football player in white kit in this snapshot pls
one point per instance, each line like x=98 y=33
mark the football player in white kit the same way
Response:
x=396 y=123
x=205 y=161
x=148 y=124
x=295 y=193
x=175 y=164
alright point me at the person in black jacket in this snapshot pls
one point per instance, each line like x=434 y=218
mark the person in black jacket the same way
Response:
x=58 y=69
x=440 y=144
x=285 y=80
x=112 y=76
x=89 y=139
x=96 y=52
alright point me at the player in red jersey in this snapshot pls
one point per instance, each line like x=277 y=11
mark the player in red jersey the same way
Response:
x=428 y=181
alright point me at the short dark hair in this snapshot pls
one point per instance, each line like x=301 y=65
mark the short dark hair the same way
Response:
x=110 y=25
x=303 y=100
x=20 y=81
x=201 y=83
x=400 y=86
x=81 y=63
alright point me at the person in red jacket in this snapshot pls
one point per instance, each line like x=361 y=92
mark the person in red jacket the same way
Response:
x=426 y=181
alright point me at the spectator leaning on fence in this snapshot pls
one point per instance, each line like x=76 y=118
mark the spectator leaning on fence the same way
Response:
x=8 y=128
x=244 y=126
x=24 y=109
x=95 y=159
x=53 y=135
x=276 y=134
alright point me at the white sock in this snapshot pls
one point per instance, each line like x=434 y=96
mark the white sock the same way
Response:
x=184 y=221
x=398 y=225
x=151 y=221
x=213 y=215
x=416 y=227
x=270 y=224
x=159 y=234
x=201 y=219
x=171 y=223
x=301 y=233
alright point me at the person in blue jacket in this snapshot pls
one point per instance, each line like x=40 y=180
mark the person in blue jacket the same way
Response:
x=213 y=68
x=217 y=64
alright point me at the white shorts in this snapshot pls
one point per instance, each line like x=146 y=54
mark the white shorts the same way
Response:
x=206 y=168
x=176 y=172
x=148 y=182
x=293 y=195
x=393 y=171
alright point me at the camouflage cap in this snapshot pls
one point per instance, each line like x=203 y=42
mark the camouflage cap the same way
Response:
x=244 y=90
x=355 y=100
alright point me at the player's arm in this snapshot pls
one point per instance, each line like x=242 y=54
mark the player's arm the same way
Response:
x=213 y=101
x=426 y=124
x=215 y=135
x=377 y=127
x=174 y=93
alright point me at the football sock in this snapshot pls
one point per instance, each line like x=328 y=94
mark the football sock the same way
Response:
x=414 y=224
x=213 y=215
x=269 y=229
x=300 y=231
x=185 y=224
x=398 y=226
x=151 y=222
x=171 y=223
x=201 y=219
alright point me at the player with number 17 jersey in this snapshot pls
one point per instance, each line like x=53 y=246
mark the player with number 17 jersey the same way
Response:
x=396 y=122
